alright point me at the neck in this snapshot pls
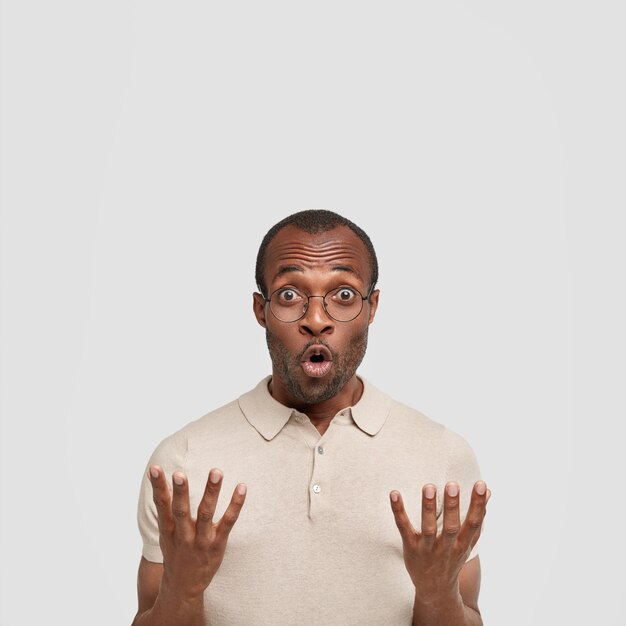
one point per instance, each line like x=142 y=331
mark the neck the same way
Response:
x=320 y=412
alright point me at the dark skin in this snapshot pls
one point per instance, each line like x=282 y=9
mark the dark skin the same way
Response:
x=447 y=587
x=325 y=261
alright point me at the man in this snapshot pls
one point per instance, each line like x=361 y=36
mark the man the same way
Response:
x=320 y=458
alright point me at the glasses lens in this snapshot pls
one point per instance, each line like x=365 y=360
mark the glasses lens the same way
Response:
x=344 y=303
x=288 y=304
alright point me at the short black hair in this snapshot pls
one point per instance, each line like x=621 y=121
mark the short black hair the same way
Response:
x=313 y=221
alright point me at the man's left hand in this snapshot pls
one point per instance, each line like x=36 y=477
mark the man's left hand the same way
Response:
x=434 y=561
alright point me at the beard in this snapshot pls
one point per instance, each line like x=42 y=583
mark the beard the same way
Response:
x=307 y=390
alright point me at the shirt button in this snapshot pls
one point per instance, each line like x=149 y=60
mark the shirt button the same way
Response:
x=320 y=449
x=316 y=488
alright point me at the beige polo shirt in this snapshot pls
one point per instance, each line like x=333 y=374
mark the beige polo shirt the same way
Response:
x=316 y=542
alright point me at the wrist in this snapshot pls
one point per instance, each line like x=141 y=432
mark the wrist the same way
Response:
x=439 y=593
x=442 y=607
x=184 y=599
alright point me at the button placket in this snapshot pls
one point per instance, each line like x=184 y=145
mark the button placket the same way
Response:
x=316 y=487
x=320 y=486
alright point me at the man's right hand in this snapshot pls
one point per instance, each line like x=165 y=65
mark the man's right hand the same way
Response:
x=193 y=549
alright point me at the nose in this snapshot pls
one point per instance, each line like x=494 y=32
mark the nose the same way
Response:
x=316 y=321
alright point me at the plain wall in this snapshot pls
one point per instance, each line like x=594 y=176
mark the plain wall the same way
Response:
x=148 y=146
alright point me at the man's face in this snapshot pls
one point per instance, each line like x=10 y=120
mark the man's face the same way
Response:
x=315 y=264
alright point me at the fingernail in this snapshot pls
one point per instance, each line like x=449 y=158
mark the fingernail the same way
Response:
x=214 y=476
x=453 y=490
x=429 y=491
x=481 y=488
x=178 y=479
x=394 y=496
x=241 y=489
x=154 y=472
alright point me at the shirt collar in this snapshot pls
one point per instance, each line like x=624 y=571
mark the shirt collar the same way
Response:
x=268 y=416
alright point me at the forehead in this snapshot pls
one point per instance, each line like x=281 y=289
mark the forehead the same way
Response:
x=324 y=252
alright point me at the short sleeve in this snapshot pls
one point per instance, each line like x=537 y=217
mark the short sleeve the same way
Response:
x=462 y=468
x=169 y=455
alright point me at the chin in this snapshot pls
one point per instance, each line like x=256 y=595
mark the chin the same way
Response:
x=315 y=390
x=309 y=390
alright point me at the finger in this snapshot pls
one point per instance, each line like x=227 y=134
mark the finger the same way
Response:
x=407 y=532
x=470 y=530
x=206 y=508
x=183 y=526
x=480 y=530
x=451 y=515
x=429 y=514
x=231 y=514
x=162 y=499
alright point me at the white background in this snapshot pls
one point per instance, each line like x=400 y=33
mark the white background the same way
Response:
x=148 y=146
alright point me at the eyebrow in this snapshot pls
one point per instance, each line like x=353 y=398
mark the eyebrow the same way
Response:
x=286 y=269
x=346 y=268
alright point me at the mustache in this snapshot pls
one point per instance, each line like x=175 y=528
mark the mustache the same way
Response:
x=316 y=342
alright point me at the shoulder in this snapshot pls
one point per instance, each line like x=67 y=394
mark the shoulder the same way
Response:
x=405 y=414
x=414 y=427
x=176 y=445
x=213 y=422
x=409 y=425
x=453 y=443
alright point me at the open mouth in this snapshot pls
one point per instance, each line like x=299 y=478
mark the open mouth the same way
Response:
x=317 y=361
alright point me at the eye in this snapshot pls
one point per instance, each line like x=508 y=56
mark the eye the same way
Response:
x=288 y=296
x=344 y=295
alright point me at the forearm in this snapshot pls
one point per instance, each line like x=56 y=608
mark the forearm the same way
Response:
x=169 y=610
x=445 y=612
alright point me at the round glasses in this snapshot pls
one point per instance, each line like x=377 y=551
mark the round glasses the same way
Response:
x=342 y=304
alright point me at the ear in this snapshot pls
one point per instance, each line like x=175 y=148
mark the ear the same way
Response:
x=258 y=306
x=373 y=300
